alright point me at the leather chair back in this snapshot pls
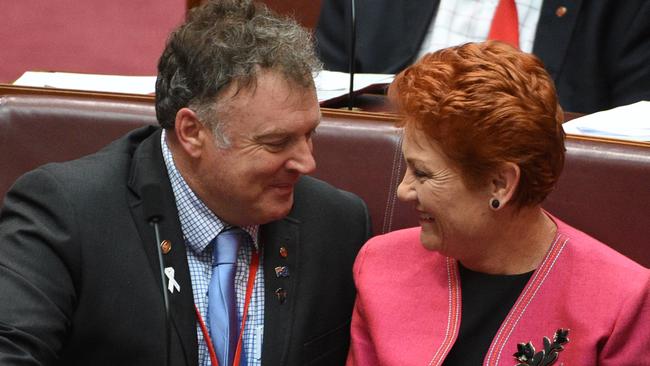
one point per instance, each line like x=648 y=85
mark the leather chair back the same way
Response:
x=603 y=190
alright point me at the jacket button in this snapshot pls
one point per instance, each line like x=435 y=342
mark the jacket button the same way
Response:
x=284 y=252
x=560 y=11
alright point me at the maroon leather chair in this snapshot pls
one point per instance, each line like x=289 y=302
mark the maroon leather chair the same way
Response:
x=603 y=191
x=38 y=129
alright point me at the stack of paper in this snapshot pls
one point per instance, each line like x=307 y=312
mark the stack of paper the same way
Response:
x=630 y=122
x=333 y=84
x=329 y=84
x=89 y=82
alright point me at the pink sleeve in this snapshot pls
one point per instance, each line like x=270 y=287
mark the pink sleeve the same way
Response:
x=362 y=351
x=629 y=341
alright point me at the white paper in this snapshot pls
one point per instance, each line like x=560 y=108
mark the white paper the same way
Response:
x=329 y=84
x=630 y=122
x=333 y=84
x=89 y=82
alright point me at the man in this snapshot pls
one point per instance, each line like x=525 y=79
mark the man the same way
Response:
x=79 y=270
x=598 y=52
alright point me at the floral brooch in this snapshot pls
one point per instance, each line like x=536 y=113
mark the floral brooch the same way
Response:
x=526 y=355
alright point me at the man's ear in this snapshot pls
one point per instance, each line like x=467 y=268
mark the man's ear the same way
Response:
x=505 y=181
x=190 y=132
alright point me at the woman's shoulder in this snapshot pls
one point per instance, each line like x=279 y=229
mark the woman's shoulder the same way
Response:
x=406 y=241
x=400 y=247
x=398 y=259
x=594 y=249
x=408 y=235
x=601 y=264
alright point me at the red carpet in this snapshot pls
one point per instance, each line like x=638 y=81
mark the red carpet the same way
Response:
x=105 y=37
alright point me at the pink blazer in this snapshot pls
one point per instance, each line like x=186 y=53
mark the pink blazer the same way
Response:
x=408 y=305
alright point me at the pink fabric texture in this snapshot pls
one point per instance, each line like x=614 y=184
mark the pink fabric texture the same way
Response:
x=406 y=304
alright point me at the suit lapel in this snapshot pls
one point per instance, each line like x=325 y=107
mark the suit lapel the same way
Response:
x=148 y=167
x=280 y=240
x=554 y=33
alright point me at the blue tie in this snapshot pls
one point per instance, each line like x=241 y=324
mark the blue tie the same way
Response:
x=222 y=307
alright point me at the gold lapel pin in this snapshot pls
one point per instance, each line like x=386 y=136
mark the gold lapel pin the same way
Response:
x=284 y=252
x=165 y=246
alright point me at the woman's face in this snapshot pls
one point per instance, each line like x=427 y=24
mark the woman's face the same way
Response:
x=454 y=219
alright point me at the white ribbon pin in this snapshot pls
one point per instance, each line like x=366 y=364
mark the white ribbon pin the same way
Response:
x=171 y=282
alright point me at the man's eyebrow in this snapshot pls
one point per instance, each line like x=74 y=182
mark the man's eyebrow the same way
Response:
x=279 y=132
x=272 y=134
x=278 y=129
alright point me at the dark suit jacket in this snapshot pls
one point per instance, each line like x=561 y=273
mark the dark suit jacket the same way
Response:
x=79 y=273
x=598 y=53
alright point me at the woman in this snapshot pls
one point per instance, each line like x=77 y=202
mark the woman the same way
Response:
x=489 y=274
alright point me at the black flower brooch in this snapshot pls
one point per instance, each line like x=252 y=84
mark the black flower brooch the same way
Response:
x=526 y=355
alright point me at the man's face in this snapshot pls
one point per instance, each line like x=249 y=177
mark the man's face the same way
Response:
x=269 y=128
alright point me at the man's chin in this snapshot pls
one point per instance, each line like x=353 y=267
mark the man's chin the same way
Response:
x=277 y=211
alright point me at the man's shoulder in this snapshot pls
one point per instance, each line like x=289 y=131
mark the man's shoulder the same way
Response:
x=315 y=191
x=100 y=169
x=315 y=186
x=118 y=152
x=331 y=206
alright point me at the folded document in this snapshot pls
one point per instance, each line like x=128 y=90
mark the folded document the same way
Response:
x=630 y=122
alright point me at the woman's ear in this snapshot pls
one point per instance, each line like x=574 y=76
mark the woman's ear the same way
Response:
x=189 y=132
x=505 y=181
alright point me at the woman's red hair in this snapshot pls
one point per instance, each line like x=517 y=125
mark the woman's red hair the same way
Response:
x=486 y=104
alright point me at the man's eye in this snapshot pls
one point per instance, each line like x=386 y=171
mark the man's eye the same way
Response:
x=277 y=144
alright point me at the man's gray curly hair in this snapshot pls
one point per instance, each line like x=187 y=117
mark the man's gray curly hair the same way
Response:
x=226 y=41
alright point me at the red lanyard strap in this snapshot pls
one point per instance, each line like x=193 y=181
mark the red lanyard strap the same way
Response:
x=252 y=272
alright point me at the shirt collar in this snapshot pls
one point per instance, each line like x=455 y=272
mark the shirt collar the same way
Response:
x=198 y=223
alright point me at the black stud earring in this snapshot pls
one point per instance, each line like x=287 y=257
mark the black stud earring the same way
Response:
x=495 y=204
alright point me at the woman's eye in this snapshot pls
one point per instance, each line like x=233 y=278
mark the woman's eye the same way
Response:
x=420 y=174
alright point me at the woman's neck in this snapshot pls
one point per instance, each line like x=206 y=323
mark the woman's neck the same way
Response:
x=518 y=242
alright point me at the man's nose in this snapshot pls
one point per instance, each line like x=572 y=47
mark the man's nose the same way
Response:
x=303 y=158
